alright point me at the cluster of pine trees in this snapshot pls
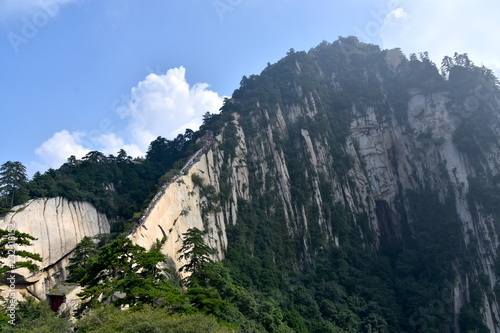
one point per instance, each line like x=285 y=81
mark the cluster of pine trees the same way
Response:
x=117 y=274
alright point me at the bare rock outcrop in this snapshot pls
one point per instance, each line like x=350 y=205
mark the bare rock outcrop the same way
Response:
x=59 y=225
x=186 y=204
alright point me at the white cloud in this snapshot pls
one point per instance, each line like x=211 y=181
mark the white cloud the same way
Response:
x=166 y=105
x=56 y=150
x=160 y=105
x=445 y=27
x=111 y=144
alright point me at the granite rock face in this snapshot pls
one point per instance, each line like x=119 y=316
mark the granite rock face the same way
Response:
x=59 y=225
x=185 y=204
x=391 y=160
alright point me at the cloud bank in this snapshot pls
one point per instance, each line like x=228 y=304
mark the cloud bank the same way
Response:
x=445 y=27
x=160 y=105
x=56 y=150
x=166 y=105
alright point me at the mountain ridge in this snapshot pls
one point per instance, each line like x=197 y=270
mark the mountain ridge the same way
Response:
x=355 y=187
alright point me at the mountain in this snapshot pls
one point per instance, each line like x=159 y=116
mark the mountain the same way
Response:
x=372 y=181
x=349 y=189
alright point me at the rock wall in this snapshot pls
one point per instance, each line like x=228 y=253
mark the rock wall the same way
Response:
x=389 y=158
x=59 y=225
x=184 y=204
x=422 y=155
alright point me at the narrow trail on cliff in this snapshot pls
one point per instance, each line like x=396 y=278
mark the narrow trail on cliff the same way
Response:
x=184 y=171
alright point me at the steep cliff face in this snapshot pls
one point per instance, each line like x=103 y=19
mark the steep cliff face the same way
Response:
x=59 y=225
x=192 y=200
x=347 y=154
x=422 y=157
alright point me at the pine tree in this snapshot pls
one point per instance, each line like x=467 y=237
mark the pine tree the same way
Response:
x=84 y=253
x=9 y=249
x=196 y=252
x=123 y=273
x=13 y=178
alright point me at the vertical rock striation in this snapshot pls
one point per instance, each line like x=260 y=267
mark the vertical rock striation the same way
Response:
x=186 y=204
x=59 y=225
x=346 y=142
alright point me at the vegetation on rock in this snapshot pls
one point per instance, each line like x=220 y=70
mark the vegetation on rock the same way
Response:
x=313 y=260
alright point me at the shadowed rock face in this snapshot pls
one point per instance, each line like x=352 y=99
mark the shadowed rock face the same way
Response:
x=408 y=170
x=59 y=225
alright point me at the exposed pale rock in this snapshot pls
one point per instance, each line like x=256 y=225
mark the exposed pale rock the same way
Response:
x=59 y=225
x=183 y=205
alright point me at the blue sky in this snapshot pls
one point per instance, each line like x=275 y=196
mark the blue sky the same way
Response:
x=81 y=75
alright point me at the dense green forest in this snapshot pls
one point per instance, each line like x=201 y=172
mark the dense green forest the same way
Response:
x=119 y=186
x=271 y=281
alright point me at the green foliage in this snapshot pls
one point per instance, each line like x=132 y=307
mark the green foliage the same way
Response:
x=13 y=182
x=213 y=122
x=346 y=287
x=487 y=193
x=168 y=176
x=116 y=185
x=230 y=141
x=471 y=321
x=110 y=320
x=197 y=180
x=84 y=253
x=438 y=232
x=208 y=301
x=216 y=293
x=9 y=242
x=126 y=274
x=472 y=91
x=196 y=253
x=474 y=135
x=423 y=271
x=294 y=320
x=34 y=316
x=167 y=152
